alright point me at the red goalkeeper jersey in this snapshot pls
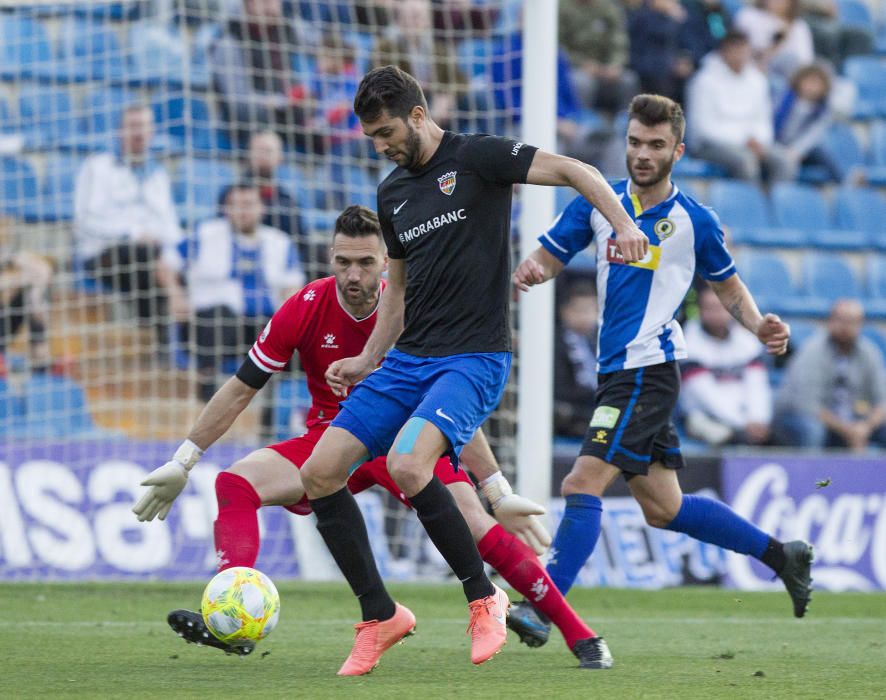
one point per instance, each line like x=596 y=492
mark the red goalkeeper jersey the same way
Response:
x=314 y=324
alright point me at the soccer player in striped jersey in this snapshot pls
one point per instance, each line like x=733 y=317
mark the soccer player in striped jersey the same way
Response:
x=631 y=432
x=329 y=319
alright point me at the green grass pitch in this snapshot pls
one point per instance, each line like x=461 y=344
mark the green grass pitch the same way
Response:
x=111 y=641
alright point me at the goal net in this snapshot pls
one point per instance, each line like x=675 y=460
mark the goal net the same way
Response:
x=122 y=126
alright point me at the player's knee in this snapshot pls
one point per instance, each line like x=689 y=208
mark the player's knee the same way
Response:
x=319 y=482
x=408 y=472
x=580 y=481
x=657 y=514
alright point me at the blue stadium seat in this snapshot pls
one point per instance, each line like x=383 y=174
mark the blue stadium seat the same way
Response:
x=47 y=117
x=826 y=278
x=743 y=209
x=876 y=171
x=56 y=199
x=801 y=330
x=12 y=409
x=156 y=57
x=337 y=186
x=695 y=167
x=768 y=278
x=55 y=407
x=854 y=13
x=861 y=209
x=869 y=75
x=107 y=11
x=875 y=303
x=802 y=208
x=289 y=394
x=188 y=123
x=89 y=50
x=197 y=185
x=103 y=109
x=18 y=186
x=24 y=47
x=8 y=123
x=841 y=144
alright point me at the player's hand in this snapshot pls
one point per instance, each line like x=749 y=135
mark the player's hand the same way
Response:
x=515 y=513
x=632 y=243
x=343 y=374
x=166 y=483
x=774 y=334
x=528 y=273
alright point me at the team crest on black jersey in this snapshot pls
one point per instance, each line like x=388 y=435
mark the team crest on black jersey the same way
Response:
x=447 y=182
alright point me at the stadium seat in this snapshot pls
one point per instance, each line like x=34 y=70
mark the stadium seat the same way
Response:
x=18 y=186
x=841 y=144
x=802 y=208
x=197 y=185
x=801 y=330
x=156 y=58
x=336 y=186
x=695 y=167
x=47 y=117
x=56 y=199
x=768 y=278
x=875 y=301
x=869 y=75
x=825 y=278
x=89 y=50
x=103 y=110
x=854 y=13
x=55 y=407
x=107 y=11
x=743 y=209
x=12 y=409
x=876 y=171
x=289 y=395
x=861 y=209
x=188 y=124
x=24 y=47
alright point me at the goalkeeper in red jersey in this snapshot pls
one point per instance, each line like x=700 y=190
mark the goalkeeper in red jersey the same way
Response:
x=327 y=320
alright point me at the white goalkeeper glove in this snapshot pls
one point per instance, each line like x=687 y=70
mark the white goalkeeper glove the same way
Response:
x=166 y=483
x=515 y=513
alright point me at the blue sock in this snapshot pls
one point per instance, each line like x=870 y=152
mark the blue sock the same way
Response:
x=575 y=539
x=716 y=523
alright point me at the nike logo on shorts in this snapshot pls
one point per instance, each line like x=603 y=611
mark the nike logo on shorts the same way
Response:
x=440 y=413
x=399 y=207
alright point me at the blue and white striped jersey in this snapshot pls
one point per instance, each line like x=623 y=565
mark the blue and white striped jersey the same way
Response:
x=639 y=301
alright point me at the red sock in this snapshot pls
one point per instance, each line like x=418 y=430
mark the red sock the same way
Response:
x=519 y=566
x=236 y=528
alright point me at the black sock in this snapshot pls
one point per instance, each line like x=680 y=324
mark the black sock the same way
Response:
x=449 y=532
x=774 y=557
x=342 y=527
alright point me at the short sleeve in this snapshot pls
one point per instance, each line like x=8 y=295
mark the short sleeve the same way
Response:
x=712 y=258
x=571 y=231
x=395 y=248
x=281 y=336
x=498 y=159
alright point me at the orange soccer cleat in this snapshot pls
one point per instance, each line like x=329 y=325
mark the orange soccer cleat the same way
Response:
x=487 y=627
x=374 y=638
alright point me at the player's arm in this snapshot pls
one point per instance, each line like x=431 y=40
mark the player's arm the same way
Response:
x=538 y=267
x=556 y=170
x=770 y=329
x=515 y=513
x=391 y=313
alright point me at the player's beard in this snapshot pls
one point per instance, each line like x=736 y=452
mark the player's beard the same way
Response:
x=412 y=148
x=366 y=296
x=651 y=178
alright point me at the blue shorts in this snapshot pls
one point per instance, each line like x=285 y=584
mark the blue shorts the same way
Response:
x=456 y=393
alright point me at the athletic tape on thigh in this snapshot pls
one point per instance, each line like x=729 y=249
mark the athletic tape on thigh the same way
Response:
x=411 y=431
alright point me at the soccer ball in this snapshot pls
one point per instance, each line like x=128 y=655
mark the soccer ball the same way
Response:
x=240 y=605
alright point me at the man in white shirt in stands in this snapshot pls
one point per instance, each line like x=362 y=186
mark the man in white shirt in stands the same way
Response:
x=726 y=395
x=238 y=272
x=730 y=115
x=124 y=216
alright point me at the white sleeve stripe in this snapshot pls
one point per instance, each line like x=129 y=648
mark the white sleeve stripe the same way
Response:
x=267 y=360
x=554 y=243
x=725 y=269
x=261 y=365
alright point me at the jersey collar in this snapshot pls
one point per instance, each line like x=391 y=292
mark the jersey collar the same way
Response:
x=636 y=209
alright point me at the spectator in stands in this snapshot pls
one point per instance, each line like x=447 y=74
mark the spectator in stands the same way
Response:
x=834 y=394
x=333 y=86
x=705 y=25
x=252 y=64
x=280 y=207
x=464 y=18
x=832 y=39
x=411 y=45
x=238 y=271
x=24 y=282
x=124 y=216
x=655 y=29
x=575 y=360
x=780 y=39
x=594 y=35
x=802 y=117
x=725 y=396
x=730 y=114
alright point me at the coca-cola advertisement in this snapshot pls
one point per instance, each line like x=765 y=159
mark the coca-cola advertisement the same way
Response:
x=837 y=503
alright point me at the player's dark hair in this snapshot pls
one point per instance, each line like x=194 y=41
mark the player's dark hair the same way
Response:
x=652 y=110
x=357 y=222
x=387 y=89
x=237 y=187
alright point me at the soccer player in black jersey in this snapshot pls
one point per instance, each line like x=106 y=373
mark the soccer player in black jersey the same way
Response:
x=445 y=214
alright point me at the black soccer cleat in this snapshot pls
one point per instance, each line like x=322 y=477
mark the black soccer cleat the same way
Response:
x=592 y=653
x=796 y=574
x=525 y=620
x=189 y=626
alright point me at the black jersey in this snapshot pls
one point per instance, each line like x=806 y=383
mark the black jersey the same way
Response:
x=451 y=220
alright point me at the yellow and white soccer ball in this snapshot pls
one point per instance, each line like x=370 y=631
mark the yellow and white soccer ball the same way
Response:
x=240 y=604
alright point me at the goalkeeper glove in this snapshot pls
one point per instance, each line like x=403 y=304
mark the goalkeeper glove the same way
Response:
x=515 y=513
x=166 y=483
